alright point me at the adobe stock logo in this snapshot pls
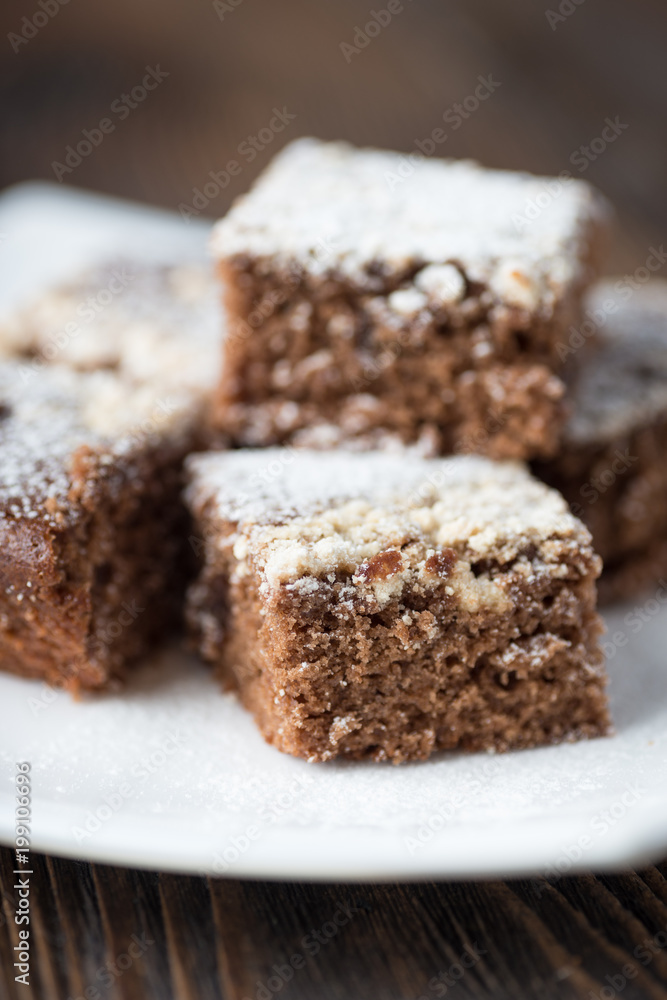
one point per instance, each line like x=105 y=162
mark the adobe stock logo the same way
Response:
x=120 y=109
x=31 y=26
x=364 y=35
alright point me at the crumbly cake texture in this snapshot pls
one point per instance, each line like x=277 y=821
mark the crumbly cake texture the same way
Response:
x=143 y=321
x=388 y=606
x=612 y=466
x=93 y=553
x=369 y=292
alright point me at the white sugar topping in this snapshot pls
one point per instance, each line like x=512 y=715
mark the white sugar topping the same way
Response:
x=144 y=321
x=442 y=282
x=46 y=418
x=329 y=208
x=302 y=513
x=620 y=384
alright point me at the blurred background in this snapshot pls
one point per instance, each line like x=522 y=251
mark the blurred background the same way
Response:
x=576 y=85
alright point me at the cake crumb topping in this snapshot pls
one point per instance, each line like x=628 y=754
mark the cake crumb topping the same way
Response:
x=328 y=209
x=385 y=520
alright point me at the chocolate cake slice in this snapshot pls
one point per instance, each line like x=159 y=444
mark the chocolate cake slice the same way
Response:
x=375 y=296
x=105 y=396
x=612 y=467
x=388 y=606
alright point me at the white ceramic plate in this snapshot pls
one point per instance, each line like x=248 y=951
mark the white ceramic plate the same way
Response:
x=172 y=774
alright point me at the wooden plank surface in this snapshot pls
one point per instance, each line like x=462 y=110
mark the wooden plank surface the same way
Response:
x=198 y=939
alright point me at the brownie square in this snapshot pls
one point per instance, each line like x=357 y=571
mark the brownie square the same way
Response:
x=374 y=297
x=612 y=467
x=105 y=397
x=388 y=606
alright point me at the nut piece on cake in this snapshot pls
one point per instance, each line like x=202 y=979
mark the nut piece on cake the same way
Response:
x=390 y=606
x=613 y=465
x=93 y=552
x=367 y=302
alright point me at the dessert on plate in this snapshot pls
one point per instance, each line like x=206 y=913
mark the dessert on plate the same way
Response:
x=388 y=606
x=364 y=604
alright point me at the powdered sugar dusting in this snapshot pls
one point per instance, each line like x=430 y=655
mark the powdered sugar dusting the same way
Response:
x=317 y=512
x=329 y=208
x=120 y=357
x=144 y=321
x=620 y=384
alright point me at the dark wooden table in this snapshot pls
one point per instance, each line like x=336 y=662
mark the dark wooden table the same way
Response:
x=560 y=79
x=132 y=935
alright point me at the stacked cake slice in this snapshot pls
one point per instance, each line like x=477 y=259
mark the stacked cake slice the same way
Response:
x=100 y=402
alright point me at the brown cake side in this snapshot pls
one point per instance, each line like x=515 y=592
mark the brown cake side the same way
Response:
x=426 y=310
x=387 y=607
x=612 y=467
